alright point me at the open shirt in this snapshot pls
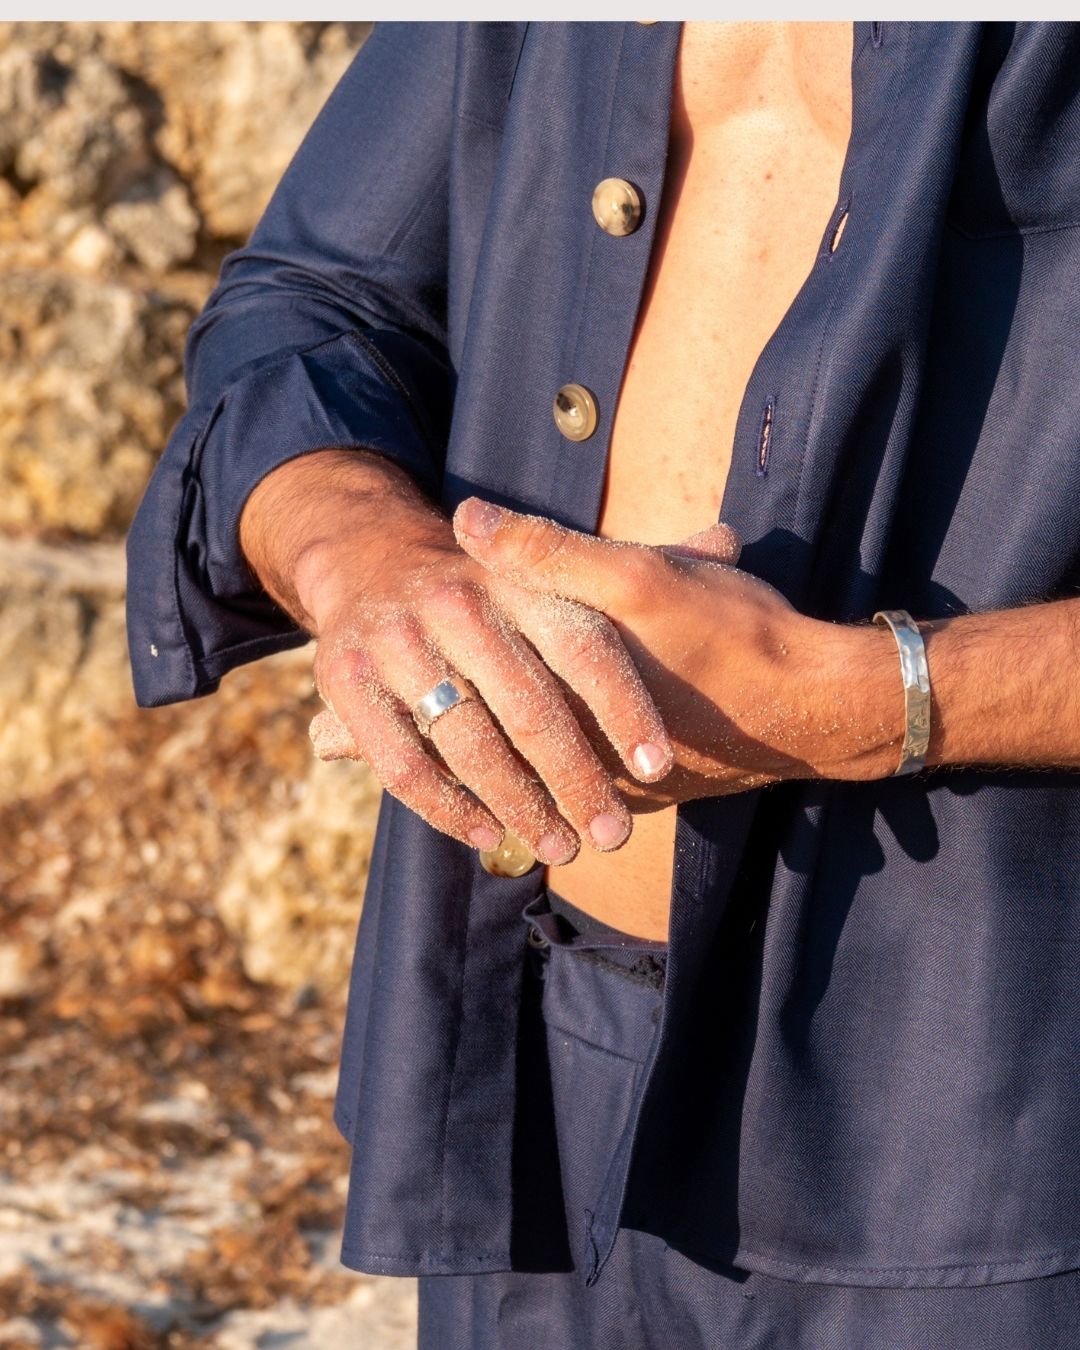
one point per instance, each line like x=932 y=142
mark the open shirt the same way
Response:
x=866 y=1070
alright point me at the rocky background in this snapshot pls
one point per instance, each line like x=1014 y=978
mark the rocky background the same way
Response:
x=179 y=889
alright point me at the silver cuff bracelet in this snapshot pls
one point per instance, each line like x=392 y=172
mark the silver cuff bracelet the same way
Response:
x=916 y=677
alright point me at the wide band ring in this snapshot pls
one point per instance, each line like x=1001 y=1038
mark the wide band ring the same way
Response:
x=445 y=695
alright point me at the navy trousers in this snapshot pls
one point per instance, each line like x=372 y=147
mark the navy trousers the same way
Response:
x=591 y=1009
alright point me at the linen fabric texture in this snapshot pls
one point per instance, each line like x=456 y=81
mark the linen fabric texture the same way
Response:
x=587 y=1021
x=865 y=1067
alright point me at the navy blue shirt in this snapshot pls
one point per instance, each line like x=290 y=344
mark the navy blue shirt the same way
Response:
x=866 y=1069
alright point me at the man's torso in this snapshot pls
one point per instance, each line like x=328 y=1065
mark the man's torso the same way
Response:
x=760 y=120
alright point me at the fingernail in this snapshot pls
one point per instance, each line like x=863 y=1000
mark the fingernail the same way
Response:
x=608 y=830
x=480 y=519
x=553 y=848
x=649 y=758
x=484 y=837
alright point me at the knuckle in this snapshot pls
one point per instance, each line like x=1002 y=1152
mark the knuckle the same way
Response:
x=584 y=645
x=404 y=776
x=584 y=787
x=532 y=721
x=530 y=809
x=406 y=641
x=539 y=542
x=455 y=602
x=392 y=623
x=639 y=573
x=342 y=673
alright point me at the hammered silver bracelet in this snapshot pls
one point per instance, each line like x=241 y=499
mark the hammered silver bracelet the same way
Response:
x=915 y=674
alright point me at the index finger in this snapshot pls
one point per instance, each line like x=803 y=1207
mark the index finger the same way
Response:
x=584 y=649
x=609 y=574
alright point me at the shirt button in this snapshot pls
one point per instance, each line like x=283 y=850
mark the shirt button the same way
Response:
x=616 y=206
x=510 y=859
x=575 y=412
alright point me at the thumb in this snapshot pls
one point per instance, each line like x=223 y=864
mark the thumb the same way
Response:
x=330 y=737
x=719 y=543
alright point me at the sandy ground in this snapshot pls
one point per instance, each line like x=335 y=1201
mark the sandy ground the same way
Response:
x=170 y=1174
x=86 y=1259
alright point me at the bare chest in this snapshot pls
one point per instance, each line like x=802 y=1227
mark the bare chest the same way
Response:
x=759 y=126
x=760 y=122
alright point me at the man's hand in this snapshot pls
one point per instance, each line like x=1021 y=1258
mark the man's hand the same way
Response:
x=750 y=691
x=353 y=550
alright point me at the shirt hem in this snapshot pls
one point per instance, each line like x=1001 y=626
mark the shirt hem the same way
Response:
x=911 y=1277
x=366 y=1262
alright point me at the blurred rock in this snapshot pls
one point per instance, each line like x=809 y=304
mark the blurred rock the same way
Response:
x=133 y=156
x=19 y=964
x=68 y=126
x=219 y=802
x=92 y=382
x=155 y=223
x=236 y=101
x=290 y=897
x=180 y=887
x=63 y=660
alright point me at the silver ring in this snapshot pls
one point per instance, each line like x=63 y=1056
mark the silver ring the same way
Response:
x=446 y=694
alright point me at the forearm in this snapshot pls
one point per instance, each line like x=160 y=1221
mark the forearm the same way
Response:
x=1005 y=687
x=324 y=516
x=1004 y=690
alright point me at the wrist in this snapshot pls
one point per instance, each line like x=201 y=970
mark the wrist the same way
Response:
x=317 y=523
x=361 y=557
x=857 y=719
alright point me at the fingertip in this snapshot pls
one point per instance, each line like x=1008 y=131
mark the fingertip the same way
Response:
x=609 y=831
x=330 y=738
x=557 y=848
x=734 y=543
x=484 y=837
x=717 y=543
x=652 y=761
x=476 y=519
x=457 y=517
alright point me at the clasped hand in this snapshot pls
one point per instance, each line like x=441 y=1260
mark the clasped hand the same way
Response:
x=613 y=678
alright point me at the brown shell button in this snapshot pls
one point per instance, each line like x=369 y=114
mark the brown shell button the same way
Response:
x=616 y=206
x=575 y=412
x=510 y=859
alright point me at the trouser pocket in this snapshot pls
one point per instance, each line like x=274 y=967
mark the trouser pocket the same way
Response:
x=600 y=1007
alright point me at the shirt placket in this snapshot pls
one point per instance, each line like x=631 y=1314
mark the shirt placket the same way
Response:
x=620 y=180
x=761 y=500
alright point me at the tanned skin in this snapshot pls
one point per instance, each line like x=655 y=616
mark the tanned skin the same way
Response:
x=560 y=629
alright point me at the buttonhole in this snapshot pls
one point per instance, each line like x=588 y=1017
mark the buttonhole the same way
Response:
x=876 y=34
x=838 y=230
x=765 y=437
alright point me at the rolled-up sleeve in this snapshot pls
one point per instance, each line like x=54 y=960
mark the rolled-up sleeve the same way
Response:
x=326 y=330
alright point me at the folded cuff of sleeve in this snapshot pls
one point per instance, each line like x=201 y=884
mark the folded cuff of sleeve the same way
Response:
x=195 y=610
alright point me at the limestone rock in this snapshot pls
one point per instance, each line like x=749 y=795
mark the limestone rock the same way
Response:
x=69 y=127
x=155 y=223
x=237 y=99
x=63 y=662
x=133 y=156
x=92 y=384
x=292 y=894
x=88 y=111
